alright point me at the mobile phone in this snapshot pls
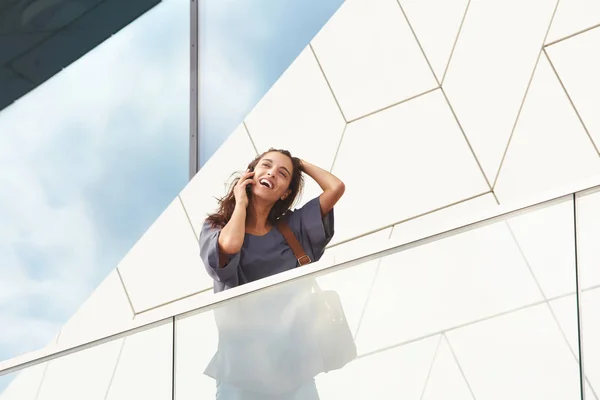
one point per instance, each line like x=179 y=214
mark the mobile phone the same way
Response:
x=249 y=187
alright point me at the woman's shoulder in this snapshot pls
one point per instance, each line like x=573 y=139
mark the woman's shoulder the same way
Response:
x=311 y=209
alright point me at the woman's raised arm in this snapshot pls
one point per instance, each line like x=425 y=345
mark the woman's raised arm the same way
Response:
x=333 y=187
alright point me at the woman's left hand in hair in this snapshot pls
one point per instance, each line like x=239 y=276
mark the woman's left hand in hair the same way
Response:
x=333 y=187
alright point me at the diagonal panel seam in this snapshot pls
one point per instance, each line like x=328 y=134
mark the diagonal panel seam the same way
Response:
x=557 y=322
x=314 y=53
x=364 y=309
x=114 y=372
x=437 y=350
x=462 y=372
x=418 y=43
x=369 y=293
x=126 y=292
x=455 y=43
x=573 y=35
x=250 y=137
x=394 y=105
x=39 y=388
x=465 y=137
x=564 y=88
x=337 y=150
x=512 y=132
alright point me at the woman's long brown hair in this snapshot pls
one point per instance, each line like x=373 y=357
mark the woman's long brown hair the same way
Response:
x=221 y=217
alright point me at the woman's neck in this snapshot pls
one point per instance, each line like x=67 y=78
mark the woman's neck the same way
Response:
x=257 y=215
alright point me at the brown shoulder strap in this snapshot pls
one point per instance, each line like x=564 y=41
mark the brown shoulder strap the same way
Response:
x=293 y=242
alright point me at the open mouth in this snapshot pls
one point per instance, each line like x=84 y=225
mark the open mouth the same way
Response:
x=266 y=183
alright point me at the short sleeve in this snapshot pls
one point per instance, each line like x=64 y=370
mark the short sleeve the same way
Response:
x=209 y=253
x=315 y=232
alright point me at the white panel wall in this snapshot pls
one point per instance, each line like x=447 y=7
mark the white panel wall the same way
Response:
x=577 y=63
x=163 y=265
x=371 y=58
x=145 y=367
x=406 y=166
x=429 y=111
x=573 y=16
x=492 y=64
x=548 y=139
x=26 y=384
x=86 y=374
x=526 y=352
x=436 y=24
x=299 y=113
x=106 y=311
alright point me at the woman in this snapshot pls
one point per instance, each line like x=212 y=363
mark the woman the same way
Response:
x=240 y=243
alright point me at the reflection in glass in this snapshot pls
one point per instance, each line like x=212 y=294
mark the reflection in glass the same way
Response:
x=137 y=366
x=273 y=344
x=446 y=319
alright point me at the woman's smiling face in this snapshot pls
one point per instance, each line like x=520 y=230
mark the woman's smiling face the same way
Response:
x=272 y=176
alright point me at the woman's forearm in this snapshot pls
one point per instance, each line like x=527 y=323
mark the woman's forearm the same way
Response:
x=232 y=235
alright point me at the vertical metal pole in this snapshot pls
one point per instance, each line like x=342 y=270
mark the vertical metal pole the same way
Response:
x=578 y=293
x=174 y=359
x=194 y=94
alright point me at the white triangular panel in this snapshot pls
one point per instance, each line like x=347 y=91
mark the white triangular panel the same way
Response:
x=164 y=264
x=299 y=114
x=86 y=374
x=403 y=162
x=213 y=179
x=573 y=16
x=436 y=24
x=547 y=239
x=491 y=66
x=371 y=58
x=26 y=384
x=104 y=312
x=445 y=379
x=520 y=355
x=549 y=147
x=577 y=63
x=145 y=367
x=399 y=373
x=431 y=288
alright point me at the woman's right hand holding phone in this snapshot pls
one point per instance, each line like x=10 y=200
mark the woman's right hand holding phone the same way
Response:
x=240 y=191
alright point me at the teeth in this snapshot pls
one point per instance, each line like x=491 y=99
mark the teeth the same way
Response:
x=267 y=183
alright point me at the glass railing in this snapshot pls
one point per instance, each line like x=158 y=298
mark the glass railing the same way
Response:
x=501 y=309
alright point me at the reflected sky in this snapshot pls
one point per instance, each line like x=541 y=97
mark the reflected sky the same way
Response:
x=91 y=158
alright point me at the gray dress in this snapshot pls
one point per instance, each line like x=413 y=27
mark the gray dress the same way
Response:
x=264 y=343
x=263 y=256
